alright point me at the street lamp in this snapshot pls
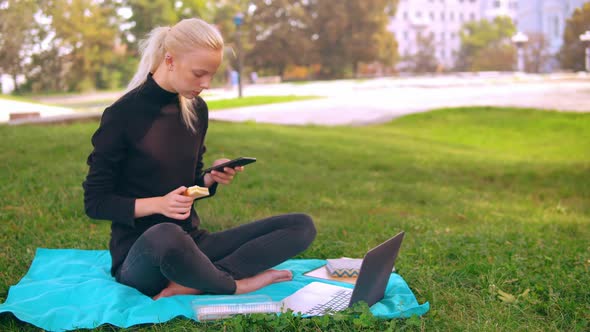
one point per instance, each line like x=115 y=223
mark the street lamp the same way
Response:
x=585 y=38
x=520 y=39
x=238 y=20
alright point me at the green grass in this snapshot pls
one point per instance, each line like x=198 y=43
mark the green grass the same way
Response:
x=253 y=101
x=491 y=200
x=101 y=104
x=18 y=98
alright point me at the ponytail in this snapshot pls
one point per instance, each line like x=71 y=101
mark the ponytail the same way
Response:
x=184 y=35
x=152 y=53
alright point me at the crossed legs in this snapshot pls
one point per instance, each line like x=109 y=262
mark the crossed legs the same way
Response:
x=165 y=260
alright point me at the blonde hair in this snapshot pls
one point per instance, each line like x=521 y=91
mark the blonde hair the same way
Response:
x=182 y=37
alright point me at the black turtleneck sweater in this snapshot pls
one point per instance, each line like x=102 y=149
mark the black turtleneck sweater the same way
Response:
x=143 y=149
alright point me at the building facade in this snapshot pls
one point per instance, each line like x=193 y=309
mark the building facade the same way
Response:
x=548 y=17
x=443 y=19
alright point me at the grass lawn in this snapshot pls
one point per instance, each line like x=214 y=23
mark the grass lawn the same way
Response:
x=99 y=105
x=253 y=101
x=18 y=98
x=219 y=104
x=491 y=200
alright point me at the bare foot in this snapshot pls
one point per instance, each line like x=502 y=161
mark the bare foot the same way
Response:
x=262 y=279
x=176 y=289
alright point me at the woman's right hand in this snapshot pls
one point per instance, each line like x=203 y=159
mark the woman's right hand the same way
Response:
x=175 y=205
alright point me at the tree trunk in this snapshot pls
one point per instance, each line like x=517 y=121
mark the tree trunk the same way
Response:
x=16 y=89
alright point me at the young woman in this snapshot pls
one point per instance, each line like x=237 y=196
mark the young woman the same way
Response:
x=147 y=151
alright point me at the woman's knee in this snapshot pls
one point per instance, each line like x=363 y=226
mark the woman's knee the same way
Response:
x=305 y=228
x=166 y=237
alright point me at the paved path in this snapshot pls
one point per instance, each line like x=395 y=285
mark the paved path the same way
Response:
x=382 y=100
x=359 y=102
x=11 y=106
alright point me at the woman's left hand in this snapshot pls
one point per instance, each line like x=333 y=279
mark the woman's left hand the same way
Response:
x=225 y=177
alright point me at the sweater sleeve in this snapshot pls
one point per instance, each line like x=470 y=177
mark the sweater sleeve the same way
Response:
x=203 y=118
x=110 y=148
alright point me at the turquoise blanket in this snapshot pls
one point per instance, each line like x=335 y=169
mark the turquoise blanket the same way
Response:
x=66 y=289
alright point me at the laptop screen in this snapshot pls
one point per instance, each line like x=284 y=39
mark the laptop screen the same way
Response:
x=375 y=271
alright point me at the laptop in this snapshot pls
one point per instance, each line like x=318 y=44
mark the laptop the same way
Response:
x=318 y=298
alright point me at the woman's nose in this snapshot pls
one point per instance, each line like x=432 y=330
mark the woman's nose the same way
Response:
x=205 y=83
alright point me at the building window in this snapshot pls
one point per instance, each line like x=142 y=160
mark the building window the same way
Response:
x=442 y=36
x=442 y=16
x=472 y=16
x=452 y=16
x=556 y=26
x=461 y=17
x=418 y=14
x=406 y=16
x=405 y=35
x=497 y=4
x=432 y=16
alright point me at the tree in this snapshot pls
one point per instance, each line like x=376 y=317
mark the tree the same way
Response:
x=148 y=14
x=280 y=35
x=424 y=60
x=536 y=53
x=486 y=45
x=499 y=57
x=48 y=71
x=348 y=32
x=369 y=38
x=17 y=26
x=85 y=34
x=571 y=54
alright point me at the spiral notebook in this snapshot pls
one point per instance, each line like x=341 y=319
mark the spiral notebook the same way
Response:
x=227 y=306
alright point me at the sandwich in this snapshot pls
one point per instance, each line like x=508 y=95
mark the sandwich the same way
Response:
x=196 y=192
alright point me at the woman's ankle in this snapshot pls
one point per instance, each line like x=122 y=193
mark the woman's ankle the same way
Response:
x=261 y=280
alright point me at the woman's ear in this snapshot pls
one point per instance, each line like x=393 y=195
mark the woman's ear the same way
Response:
x=169 y=61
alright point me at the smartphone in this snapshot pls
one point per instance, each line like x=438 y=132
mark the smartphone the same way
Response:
x=242 y=161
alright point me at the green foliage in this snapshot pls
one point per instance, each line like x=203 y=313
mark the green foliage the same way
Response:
x=47 y=72
x=349 y=32
x=357 y=318
x=338 y=35
x=16 y=23
x=85 y=31
x=280 y=35
x=424 y=60
x=486 y=45
x=118 y=73
x=571 y=55
x=491 y=200
x=87 y=44
x=148 y=14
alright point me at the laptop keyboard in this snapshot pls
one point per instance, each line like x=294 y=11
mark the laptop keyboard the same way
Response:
x=338 y=302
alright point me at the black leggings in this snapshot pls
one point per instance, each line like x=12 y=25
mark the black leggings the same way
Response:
x=212 y=262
